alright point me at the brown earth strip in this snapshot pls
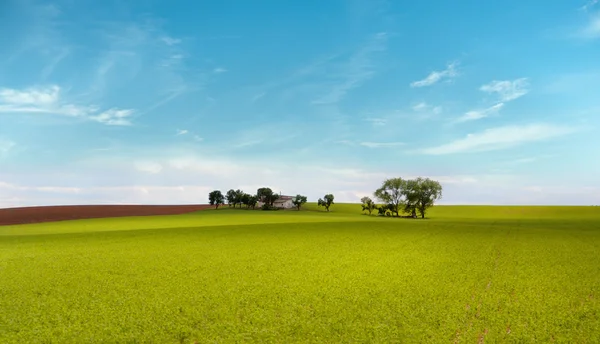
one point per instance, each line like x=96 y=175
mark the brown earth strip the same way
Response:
x=13 y=216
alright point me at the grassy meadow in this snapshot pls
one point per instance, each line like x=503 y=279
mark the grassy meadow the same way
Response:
x=465 y=275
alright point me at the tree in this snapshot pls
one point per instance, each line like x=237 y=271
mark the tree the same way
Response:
x=327 y=201
x=368 y=204
x=216 y=198
x=428 y=191
x=411 y=192
x=299 y=200
x=392 y=192
x=252 y=200
x=230 y=196
x=245 y=199
x=238 y=197
x=267 y=196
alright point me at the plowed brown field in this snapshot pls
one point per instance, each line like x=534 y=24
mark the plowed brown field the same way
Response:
x=11 y=216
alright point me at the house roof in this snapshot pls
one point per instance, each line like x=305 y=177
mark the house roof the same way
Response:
x=283 y=199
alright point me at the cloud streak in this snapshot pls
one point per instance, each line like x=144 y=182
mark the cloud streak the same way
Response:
x=479 y=114
x=507 y=90
x=381 y=144
x=48 y=100
x=436 y=76
x=500 y=138
x=355 y=71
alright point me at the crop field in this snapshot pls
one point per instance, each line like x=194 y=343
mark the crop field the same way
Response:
x=466 y=275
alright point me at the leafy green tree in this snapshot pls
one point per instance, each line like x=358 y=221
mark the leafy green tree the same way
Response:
x=326 y=202
x=392 y=192
x=411 y=192
x=299 y=200
x=426 y=192
x=231 y=197
x=245 y=199
x=216 y=198
x=252 y=200
x=238 y=197
x=267 y=196
x=368 y=204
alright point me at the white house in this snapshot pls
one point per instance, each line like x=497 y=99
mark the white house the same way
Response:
x=283 y=202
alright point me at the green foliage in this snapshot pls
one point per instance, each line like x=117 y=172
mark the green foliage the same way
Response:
x=231 y=197
x=421 y=193
x=216 y=198
x=252 y=200
x=410 y=196
x=470 y=274
x=326 y=201
x=238 y=197
x=245 y=199
x=368 y=204
x=299 y=200
x=391 y=193
x=266 y=195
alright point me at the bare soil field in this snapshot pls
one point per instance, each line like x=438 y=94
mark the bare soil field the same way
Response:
x=12 y=216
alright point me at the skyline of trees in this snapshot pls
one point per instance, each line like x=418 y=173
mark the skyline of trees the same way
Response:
x=395 y=195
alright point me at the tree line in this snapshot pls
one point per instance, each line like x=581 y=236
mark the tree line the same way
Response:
x=238 y=197
x=404 y=196
x=410 y=196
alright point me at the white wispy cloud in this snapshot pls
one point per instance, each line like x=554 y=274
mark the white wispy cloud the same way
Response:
x=381 y=144
x=376 y=121
x=245 y=144
x=48 y=100
x=354 y=72
x=198 y=138
x=501 y=138
x=219 y=70
x=479 y=114
x=30 y=96
x=117 y=117
x=507 y=90
x=424 y=107
x=181 y=132
x=436 y=76
x=170 y=40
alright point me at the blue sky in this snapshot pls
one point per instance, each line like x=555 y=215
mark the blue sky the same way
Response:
x=162 y=101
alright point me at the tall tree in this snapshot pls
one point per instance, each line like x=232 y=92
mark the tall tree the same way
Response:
x=245 y=199
x=368 y=204
x=326 y=202
x=429 y=191
x=216 y=198
x=299 y=200
x=392 y=192
x=252 y=200
x=239 y=195
x=230 y=197
x=267 y=196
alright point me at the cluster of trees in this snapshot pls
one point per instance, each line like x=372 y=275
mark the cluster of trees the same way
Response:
x=396 y=195
x=407 y=196
x=238 y=197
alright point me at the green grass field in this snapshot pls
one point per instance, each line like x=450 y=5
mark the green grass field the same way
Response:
x=467 y=274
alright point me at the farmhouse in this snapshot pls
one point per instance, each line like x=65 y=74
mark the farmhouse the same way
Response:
x=283 y=202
